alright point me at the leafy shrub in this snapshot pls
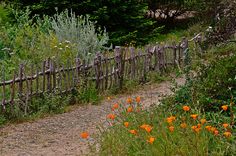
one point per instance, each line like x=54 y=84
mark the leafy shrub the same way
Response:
x=217 y=83
x=81 y=32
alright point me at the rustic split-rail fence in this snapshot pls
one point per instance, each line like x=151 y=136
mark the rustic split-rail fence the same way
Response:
x=106 y=71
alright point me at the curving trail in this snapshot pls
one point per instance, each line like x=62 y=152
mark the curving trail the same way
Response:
x=59 y=135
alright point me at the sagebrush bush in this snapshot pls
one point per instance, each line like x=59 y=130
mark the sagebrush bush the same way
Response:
x=80 y=32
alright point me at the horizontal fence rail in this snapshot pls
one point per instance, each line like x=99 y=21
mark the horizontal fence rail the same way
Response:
x=106 y=71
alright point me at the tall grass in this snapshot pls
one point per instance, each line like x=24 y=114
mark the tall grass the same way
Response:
x=159 y=132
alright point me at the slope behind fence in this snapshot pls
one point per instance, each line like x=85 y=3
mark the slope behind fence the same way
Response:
x=125 y=63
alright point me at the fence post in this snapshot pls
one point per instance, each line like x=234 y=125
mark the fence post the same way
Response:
x=43 y=70
x=174 y=54
x=132 y=62
x=151 y=51
x=78 y=64
x=3 y=92
x=13 y=92
x=20 y=81
x=97 y=66
x=119 y=65
x=48 y=72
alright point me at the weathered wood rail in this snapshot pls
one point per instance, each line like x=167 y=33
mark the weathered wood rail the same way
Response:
x=125 y=63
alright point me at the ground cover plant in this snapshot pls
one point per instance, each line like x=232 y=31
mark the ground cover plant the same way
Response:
x=188 y=131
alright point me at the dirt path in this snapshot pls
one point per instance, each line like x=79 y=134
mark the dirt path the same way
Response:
x=60 y=135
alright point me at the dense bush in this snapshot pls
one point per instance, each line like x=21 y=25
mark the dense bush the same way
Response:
x=80 y=32
x=217 y=83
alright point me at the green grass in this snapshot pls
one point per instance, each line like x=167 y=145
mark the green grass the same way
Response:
x=118 y=140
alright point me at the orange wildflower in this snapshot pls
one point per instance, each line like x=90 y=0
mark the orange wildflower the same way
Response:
x=186 y=108
x=143 y=126
x=227 y=134
x=111 y=116
x=138 y=99
x=216 y=132
x=203 y=121
x=196 y=129
x=115 y=106
x=133 y=132
x=208 y=128
x=225 y=125
x=171 y=128
x=146 y=127
x=151 y=140
x=129 y=109
x=198 y=125
x=183 y=125
x=194 y=116
x=224 y=107
x=213 y=129
x=84 y=135
x=170 y=119
x=129 y=100
x=126 y=124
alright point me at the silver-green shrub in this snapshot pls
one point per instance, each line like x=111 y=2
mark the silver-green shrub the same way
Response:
x=80 y=32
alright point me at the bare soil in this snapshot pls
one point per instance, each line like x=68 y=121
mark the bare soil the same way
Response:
x=59 y=135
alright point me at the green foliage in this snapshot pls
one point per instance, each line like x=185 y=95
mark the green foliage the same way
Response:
x=89 y=95
x=124 y=21
x=85 y=39
x=3 y=15
x=118 y=139
x=218 y=83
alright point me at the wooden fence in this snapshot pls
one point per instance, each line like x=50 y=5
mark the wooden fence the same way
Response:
x=107 y=70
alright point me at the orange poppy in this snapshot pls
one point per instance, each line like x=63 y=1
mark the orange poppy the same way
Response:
x=186 y=108
x=203 y=121
x=227 y=134
x=198 y=125
x=194 y=116
x=129 y=100
x=196 y=129
x=146 y=127
x=216 y=132
x=224 y=107
x=126 y=124
x=115 y=106
x=171 y=128
x=133 y=132
x=170 y=119
x=84 y=135
x=129 y=109
x=138 y=99
x=208 y=128
x=151 y=140
x=183 y=125
x=111 y=116
x=213 y=129
x=225 y=125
